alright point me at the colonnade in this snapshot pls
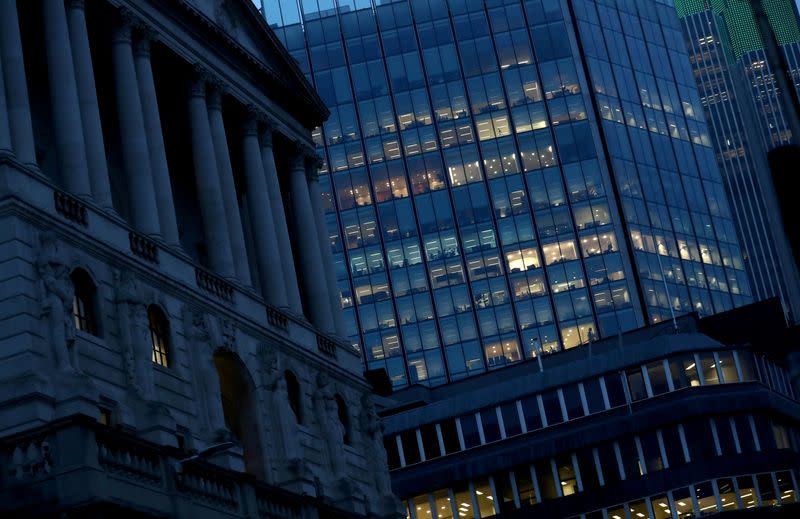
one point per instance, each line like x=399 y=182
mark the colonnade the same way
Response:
x=84 y=172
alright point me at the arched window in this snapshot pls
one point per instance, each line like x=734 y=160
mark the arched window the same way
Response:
x=344 y=418
x=83 y=302
x=293 y=391
x=159 y=334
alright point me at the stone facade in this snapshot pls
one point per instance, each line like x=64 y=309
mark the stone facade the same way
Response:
x=164 y=281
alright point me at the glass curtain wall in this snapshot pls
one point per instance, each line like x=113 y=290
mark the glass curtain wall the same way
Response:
x=468 y=176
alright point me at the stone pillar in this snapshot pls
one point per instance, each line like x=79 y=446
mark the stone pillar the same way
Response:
x=65 y=107
x=5 y=129
x=265 y=242
x=19 y=110
x=135 y=153
x=212 y=208
x=313 y=275
x=279 y=220
x=155 y=142
x=325 y=246
x=229 y=198
x=87 y=99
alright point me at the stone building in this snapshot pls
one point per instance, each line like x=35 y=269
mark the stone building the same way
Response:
x=170 y=339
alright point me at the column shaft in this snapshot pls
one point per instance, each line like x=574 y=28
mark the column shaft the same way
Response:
x=212 y=208
x=265 y=241
x=5 y=129
x=16 y=84
x=325 y=251
x=281 y=228
x=233 y=216
x=65 y=107
x=135 y=154
x=89 y=108
x=314 y=280
x=167 y=220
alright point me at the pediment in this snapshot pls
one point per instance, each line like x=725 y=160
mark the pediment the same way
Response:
x=242 y=23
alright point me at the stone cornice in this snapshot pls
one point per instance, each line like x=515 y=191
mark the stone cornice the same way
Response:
x=311 y=100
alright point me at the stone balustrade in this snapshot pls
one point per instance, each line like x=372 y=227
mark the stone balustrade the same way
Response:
x=134 y=471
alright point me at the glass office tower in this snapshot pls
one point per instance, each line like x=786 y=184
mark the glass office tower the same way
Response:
x=746 y=120
x=510 y=176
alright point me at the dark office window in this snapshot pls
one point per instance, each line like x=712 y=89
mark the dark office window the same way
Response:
x=658 y=377
x=504 y=491
x=766 y=489
x=699 y=439
x=450 y=436
x=764 y=430
x=552 y=407
x=530 y=409
x=527 y=494
x=747 y=365
x=544 y=475
x=614 y=390
x=608 y=463
x=636 y=385
x=430 y=441
x=651 y=452
x=630 y=458
x=392 y=454
x=469 y=430
x=410 y=446
x=745 y=433
x=724 y=435
x=491 y=427
x=572 y=401
x=594 y=395
x=511 y=419
x=588 y=470
x=673 y=446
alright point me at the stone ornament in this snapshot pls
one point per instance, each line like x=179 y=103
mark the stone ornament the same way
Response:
x=58 y=294
x=372 y=433
x=134 y=334
x=330 y=428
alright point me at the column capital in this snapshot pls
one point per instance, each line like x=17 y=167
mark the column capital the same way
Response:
x=201 y=78
x=126 y=23
x=146 y=35
x=122 y=32
x=250 y=125
x=268 y=129
x=214 y=95
x=302 y=153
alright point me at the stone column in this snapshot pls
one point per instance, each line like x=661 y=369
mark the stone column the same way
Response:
x=155 y=142
x=212 y=208
x=65 y=107
x=135 y=154
x=19 y=110
x=279 y=221
x=5 y=129
x=265 y=242
x=90 y=110
x=325 y=246
x=230 y=200
x=313 y=275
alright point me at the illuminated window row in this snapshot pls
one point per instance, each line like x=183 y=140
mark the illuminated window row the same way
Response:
x=614 y=463
x=717 y=495
x=575 y=401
